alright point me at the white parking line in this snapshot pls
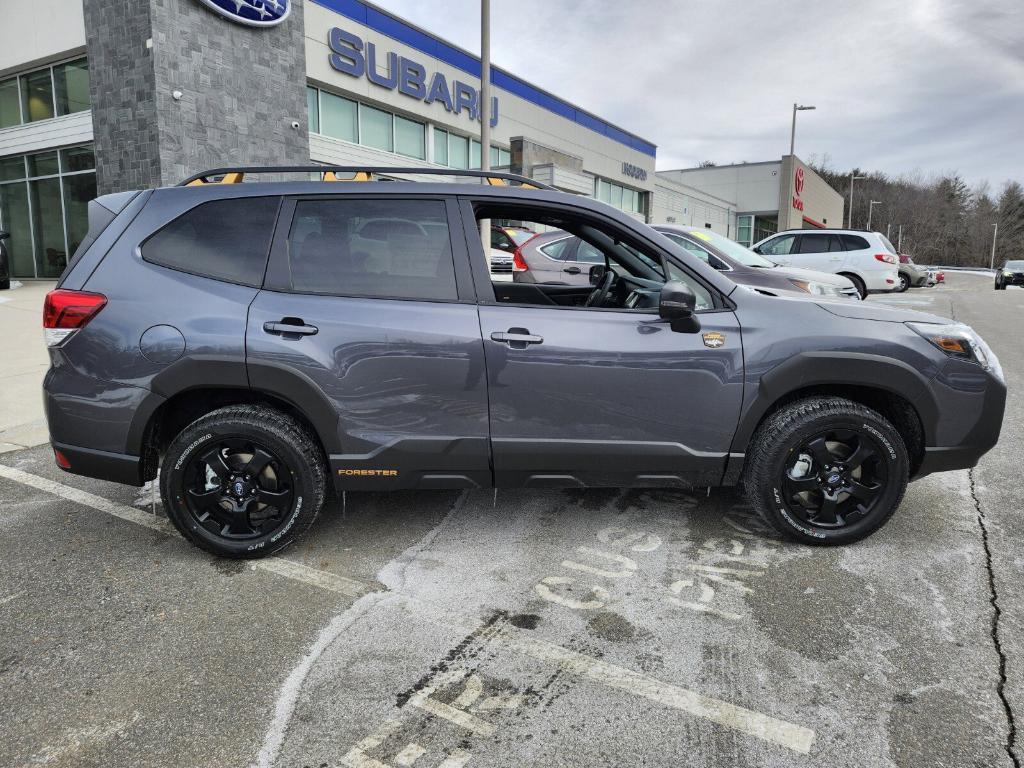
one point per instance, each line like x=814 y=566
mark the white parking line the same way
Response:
x=761 y=726
x=789 y=735
x=279 y=566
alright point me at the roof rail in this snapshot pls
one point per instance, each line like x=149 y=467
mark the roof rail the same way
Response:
x=357 y=173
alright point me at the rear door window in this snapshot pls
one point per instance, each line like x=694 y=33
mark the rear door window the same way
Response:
x=225 y=240
x=376 y=248
x=817 y=243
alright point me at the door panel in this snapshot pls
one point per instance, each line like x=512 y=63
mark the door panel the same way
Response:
x=406 y=379
x=609 y=398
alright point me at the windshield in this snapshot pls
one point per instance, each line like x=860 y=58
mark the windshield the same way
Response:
x=1015 y=265
x=731 y=248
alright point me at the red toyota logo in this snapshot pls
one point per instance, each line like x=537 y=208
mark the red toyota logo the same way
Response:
x=798 y=181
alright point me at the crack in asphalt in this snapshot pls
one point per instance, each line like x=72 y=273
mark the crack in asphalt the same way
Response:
x=1011 y=736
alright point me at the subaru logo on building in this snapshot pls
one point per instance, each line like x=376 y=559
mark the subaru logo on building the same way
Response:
x=255 y=13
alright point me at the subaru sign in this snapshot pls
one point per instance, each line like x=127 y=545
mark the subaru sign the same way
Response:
x=634 y=171
x=349 y=54
x=254 y=13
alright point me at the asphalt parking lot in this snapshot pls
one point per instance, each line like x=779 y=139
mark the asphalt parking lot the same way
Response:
x=446 y=629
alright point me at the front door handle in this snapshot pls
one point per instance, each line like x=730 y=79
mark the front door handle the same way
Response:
x=572 y=270
x=290 y=325
x=516 y=338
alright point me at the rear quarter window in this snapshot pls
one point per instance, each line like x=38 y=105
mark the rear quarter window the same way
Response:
x=225 y=240
x=854 y=243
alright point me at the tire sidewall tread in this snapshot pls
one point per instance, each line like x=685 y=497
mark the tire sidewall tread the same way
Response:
x=769 y=450
x=285 y=436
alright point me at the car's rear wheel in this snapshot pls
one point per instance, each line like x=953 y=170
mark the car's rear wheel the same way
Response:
x=243 y=481
x=904 y=283
x=862 y=290
x=826 y=470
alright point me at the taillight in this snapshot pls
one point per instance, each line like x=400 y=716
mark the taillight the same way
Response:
x=888 y=258
x=518 y=262
x=64 y=312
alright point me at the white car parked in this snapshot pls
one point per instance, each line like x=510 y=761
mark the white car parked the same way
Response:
x=868 y=259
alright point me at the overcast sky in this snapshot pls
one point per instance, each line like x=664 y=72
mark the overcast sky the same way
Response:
x=900 y=86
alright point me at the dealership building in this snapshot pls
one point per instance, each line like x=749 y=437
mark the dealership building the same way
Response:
x=102 y=96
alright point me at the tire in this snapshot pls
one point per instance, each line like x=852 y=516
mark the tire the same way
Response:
x=858 y=284
x=788 y=440
x=1000 y=287
x=222 y=474
x=5 y=284
x=904 y=283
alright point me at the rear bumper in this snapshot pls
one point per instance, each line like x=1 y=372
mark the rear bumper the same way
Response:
x=102 y=465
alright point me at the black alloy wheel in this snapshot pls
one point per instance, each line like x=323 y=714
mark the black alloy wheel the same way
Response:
x=826 y=470
x=237 y=488
x=834 y=479
x=243 y=480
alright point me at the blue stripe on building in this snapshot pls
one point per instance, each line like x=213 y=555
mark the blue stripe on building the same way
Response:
x=442 y=51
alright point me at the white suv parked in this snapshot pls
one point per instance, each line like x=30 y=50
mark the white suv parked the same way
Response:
x=867 y=258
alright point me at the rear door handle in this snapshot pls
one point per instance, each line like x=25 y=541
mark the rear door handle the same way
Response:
x=516 y=338
x=572 y=270
x=290 y=325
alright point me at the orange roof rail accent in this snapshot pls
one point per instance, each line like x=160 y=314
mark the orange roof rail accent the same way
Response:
x=233 y=178
x=195 y=183
x=494 y=181
x=329 y=176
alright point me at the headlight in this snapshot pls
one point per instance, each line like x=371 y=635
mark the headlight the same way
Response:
x=818 y=289
x=960 y=341
x=1007 y=273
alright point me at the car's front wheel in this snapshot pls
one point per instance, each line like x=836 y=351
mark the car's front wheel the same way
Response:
x=1000 y=286
x=862 y=289
x=826 y=470
x=243 y=481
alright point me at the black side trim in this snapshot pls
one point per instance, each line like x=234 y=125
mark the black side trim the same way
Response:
x=102 y=465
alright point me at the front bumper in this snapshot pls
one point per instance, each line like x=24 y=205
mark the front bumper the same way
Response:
x=976 y=416
x=1016 y=279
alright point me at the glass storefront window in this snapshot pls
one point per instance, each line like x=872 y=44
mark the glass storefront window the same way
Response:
x=78 y=191
x=375 y=128
x=47 y=214
x=77 y=159
x=37 y=96
x=71 y=86
x=313 y=109
x=338 y=117
x=42 y=164
x=10 y=107
x=14 y=219
x=440 y=146
x=12 y=168
x=744 y=228
x=48 y=227
x=500 y=158
x=409 y=138
x=458 y=151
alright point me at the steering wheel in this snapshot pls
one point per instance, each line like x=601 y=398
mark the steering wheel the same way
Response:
x=600 y=293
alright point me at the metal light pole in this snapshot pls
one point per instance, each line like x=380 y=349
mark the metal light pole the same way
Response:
x=849 y=218
x=485 y=107
x=871 y=207
x=899 y=240
x=992 y=258
x=792 y=132
x=485 y=85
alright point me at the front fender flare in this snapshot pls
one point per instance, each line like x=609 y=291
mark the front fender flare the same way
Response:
x=811 y=369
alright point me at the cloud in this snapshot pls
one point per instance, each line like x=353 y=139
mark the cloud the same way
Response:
x=929 y=85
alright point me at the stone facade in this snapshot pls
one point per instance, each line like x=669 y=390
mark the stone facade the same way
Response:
x=236 y=85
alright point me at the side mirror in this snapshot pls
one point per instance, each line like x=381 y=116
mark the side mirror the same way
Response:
x=597 y=273
x=678 y=305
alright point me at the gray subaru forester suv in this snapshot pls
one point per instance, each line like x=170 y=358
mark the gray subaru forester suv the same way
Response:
x=263 y=343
